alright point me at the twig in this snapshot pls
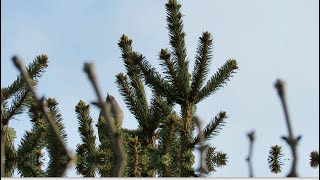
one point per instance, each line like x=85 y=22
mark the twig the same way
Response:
x=251 y=137
x=117 y=145
x=291 y=140
x=43 y=106
x=202 y=147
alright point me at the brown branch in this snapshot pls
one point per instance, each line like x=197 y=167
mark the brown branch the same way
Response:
x=251 y=137
x=43 y=106
x=117 y=145
x=291 y=140
x=202 y=147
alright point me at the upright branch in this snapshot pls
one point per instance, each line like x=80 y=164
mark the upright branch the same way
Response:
x=177 y=42
x=179 y=86
x=43 y=106
x=85 y=128
x=290 y=139
x=117 y=145
x=251 y=136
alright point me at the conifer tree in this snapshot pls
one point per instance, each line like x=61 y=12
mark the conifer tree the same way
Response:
x=164 y=140
x=178 y=86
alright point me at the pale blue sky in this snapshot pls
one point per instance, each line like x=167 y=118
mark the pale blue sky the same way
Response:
x=270 y=39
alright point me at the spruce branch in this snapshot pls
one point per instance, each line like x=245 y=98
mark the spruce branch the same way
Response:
x=31 y=141
x=220 y=159
x=151 y=76
x=135 y=106
x=86 y=162
x=134 y=158
x=274 y=159
x=201 y=67
x=135 y=82
x=31 y=166
x=160 y=110
x=127 y=92
x=209 y=157
x=59 y=161
x=169 y=67
x=290 y=139
x=251 y=137
x=167 y=133
x=19 y=89
x=168 y=147
x=132 y=88
x=176 y=34
x=212 y=129
x=43 y=106
x=104 y=134
x=117 y=145
x=85 y=126
x=34 y=69
x=218 y=79
x=214 y=159
x=17 y=106
x=141 y=97
x=35 y=115
x=314 y=159
x=10 y=155
x=10 y=159
x=4 y=105
x=177 y=42
x=158 y=84
x=29 y=153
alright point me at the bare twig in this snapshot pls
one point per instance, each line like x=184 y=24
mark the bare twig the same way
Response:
x=202 y=147
x=117 y=145
x=43 y=106
x=291 y=140
x=251 y=137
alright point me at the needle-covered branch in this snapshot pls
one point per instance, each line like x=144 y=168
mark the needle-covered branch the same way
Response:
x=177 y=42
x=34 y=69
x=151 y=76
x=314 y=159
x=212 y=129
x=218 y=79
x=169 y=68
x=274 y=159
x=85 y=126
x=43 y=106
x=18 y=90
x=201 y=67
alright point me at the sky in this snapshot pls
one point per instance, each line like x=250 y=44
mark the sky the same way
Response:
x=270 y=39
